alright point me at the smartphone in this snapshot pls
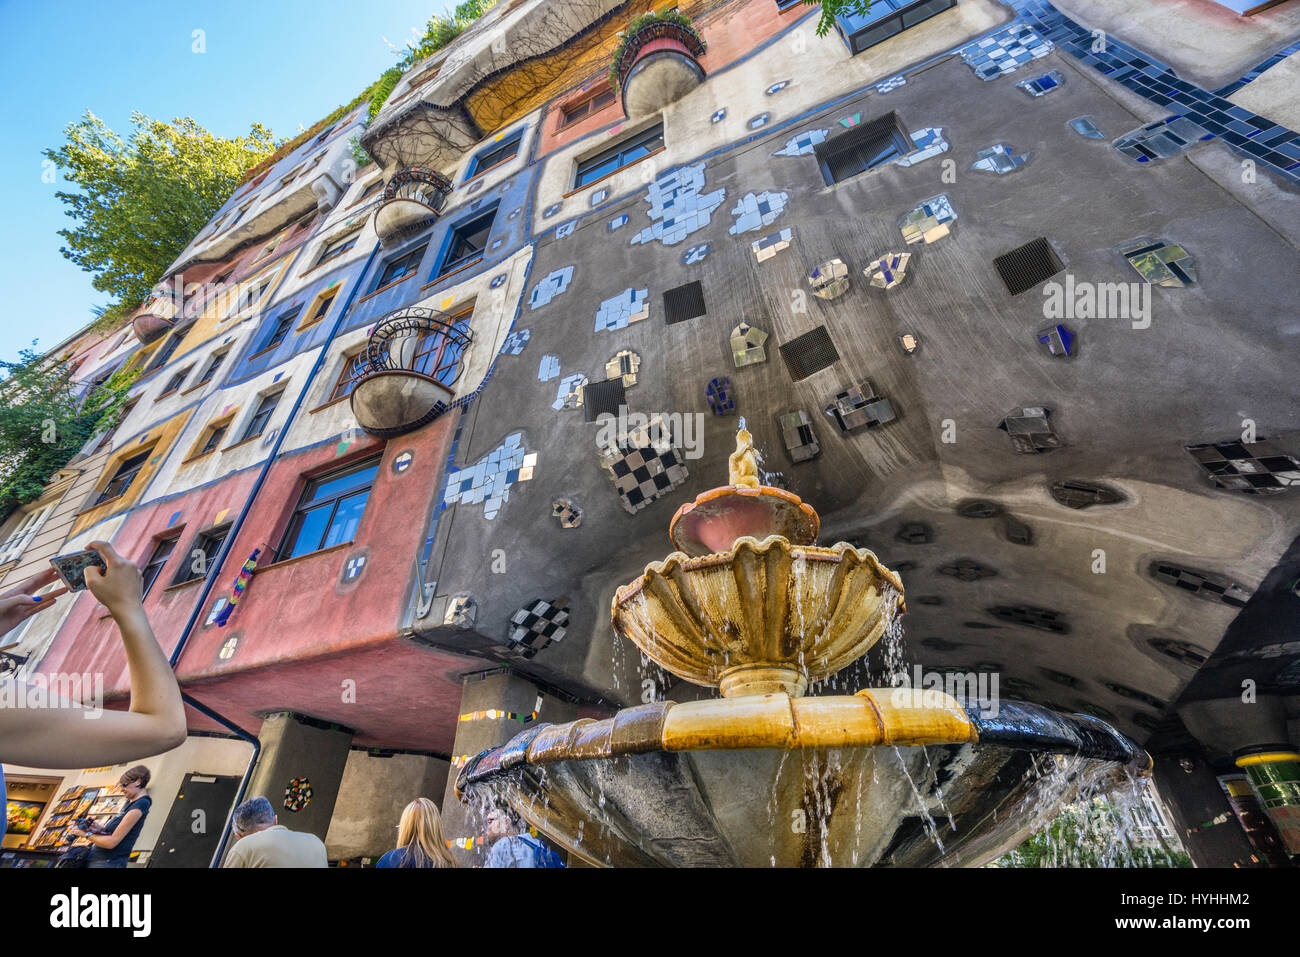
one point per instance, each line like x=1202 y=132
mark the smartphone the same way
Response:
x=72 y=567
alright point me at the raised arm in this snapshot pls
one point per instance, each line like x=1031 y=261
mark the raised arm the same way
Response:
x=69 y=737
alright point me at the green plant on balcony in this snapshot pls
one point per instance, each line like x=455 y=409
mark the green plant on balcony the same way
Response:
x=651 y=26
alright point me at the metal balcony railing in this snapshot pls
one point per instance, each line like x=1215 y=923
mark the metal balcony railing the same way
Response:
x=412 y=201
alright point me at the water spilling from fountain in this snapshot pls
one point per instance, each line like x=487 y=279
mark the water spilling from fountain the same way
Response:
x=767 y=775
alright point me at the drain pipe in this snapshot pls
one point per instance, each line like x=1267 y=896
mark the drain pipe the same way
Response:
x=248 y=771
x=238 y=524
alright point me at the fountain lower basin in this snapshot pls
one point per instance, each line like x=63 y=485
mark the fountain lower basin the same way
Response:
x=871 y=779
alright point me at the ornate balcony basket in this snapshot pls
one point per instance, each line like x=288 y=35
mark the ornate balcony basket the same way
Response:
x=403 y=380
x=657 y=64
x=413 y=199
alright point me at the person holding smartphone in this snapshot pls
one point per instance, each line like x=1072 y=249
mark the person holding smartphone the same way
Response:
x=112 y=843
x=60 y=736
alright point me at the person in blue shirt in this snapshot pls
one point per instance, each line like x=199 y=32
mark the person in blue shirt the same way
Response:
x=510 y=847
x=114 y=842
x=419 y=839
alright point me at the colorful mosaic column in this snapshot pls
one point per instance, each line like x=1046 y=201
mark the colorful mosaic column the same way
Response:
x=1275 y=778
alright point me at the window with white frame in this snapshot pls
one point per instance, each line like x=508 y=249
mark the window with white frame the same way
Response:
x=23 y=533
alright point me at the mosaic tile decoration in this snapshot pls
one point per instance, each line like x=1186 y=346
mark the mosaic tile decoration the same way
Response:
x=569 y=394
x=462 y=611
x=769 y=246
x=550 y=211
x=928 y=142
x=909 y=342
x=754 y=211
x=759 y=121
x=1160 y=263
x=1162 y=139
x=803 y=144
x=1005 y=51
x=1205 y=585
x=859 y=407
x=798 y=435
x=1058 y=341
x=497 y=280
x=748 y=345
x=720 y=397
x=490 y=478
x=1084 y=126
x=850 y=121
x=1253 y=468
x=1043 y=85
x=893 y=83
x=618 y=222
x=695 y=254
x=641 y=470
x=567 y=512
x=1247 y=133
x=537 y=625
x=631 y=305
x=624 y=364
x=515 y=342
x=548 y=368
x=718 y=115
x=829 y=280
x=566 y=229
x=929 y=221
x=1253 y=74
x=887 y=272
x=678 y=205
x=550 y=287
x=1000 y=158
x=599 y=197
x=1030 y=430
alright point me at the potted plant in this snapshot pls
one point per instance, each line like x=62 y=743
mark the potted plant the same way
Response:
x=642 y=30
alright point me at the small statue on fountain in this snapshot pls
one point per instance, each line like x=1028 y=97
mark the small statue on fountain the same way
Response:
x=743 y=463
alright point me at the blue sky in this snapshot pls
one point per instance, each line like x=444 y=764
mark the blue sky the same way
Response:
x=282 y=63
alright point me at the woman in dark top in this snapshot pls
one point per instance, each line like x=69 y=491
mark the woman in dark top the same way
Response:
x=113 y=845
x=419 y=839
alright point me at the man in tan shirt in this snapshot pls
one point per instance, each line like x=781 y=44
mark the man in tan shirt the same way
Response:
x=262 y=842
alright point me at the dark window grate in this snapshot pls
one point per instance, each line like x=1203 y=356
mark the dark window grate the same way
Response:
x=684 y=302
x=863 y=147
x=1026 y=266
x=1042 y=618
x=599 y=398
x=809 y=353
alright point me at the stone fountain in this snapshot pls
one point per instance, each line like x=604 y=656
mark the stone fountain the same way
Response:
x=766 y=776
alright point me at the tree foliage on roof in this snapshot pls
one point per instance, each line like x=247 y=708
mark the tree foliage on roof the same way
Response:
x=837 y=8
x=143 y=198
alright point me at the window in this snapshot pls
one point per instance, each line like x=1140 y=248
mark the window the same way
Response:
x=202 y=556
x=400 y=267
x=249 y=294
x=322 y=138
x=23 y=533
x=592 y=104
x=215 y=435
x=321 y=307
x=347 y=375
x=467 y=242
x=240 y=215
x=281 y=328
x=370 y=190
x=864 y=147
x=124 y=476
x=213 y=365
x=166 y=351
x=161 y=552
x=495 y=155
x=437 y=355
x=265 y=408
x=619 y=155
x=175 y=382
x=330 y=510
x=291 y=176
x=337 y=247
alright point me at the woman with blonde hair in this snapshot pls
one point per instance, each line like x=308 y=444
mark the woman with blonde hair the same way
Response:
x=419 y=839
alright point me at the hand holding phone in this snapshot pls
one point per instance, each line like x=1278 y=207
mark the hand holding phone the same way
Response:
x=72 y=567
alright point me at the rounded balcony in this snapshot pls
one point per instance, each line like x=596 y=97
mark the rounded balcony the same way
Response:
x=404 y=377
x=413 y=199
x=153 y=320
x=659 y=64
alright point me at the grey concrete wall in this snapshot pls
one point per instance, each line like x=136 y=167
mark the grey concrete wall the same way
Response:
x=373 y=792
x=292 y=749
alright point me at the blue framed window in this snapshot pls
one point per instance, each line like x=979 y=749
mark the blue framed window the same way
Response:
x=280 y=331
x=399 y=267
x=635 y=147
x=496 y=154
x=467 y=241
x=330 y=510
x=884 y=19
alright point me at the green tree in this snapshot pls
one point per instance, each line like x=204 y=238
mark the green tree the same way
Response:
x=44 y=422
x=1093 y=834
x=143 y=198
x=833 y=8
